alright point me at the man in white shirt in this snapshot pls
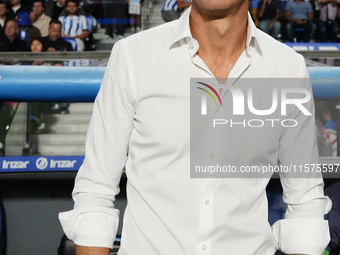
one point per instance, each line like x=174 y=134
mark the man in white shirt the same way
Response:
x=38 y=17
x=141 y=120
x=74 y=25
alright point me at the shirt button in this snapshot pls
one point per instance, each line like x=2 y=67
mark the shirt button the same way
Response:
x=204 y=247
x=191 y=45
x=212 y=155
x=207 y=201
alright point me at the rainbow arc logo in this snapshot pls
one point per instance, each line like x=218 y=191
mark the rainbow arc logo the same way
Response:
x=213 y=90
x=204 y=100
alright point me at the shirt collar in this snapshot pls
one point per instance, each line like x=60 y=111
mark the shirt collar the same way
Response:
x=182 y=31
x=42 y=16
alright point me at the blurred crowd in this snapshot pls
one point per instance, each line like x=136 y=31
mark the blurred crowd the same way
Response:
x=299 y=20
x=63 y=25
x=67 y=25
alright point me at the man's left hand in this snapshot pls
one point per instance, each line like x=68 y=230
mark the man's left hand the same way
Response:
x=270 y=26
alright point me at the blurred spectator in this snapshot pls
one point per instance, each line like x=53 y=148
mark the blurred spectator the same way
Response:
x=3 y=18
x=333 y=192
x=115 y=16
x=324 y=143
x=12 y=41
x=6 y=113
x=39 y=19
x=17 y=8
x=171 y=9
x=316 y=8
x=269 y=13
x=36 y=45
x=134 y=11
x=54 y=41
x=331 y=131
x=27 y=32
x=74 y=25
x=299 y=14
x=327 y=20
x=54 y=9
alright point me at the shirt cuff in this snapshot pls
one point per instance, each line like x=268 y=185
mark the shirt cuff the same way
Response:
x=92 y=227
x=301 y=235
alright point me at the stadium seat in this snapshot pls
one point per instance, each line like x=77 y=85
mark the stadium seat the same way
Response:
x=72 y=42
x=300 y=29
x=299 y=33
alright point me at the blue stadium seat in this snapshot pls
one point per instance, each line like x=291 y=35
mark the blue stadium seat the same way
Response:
x=300 y=29
x=72 y=42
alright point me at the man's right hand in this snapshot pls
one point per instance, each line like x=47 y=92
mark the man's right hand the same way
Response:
x=51 y=49
x=83 y=250
x=33 y=16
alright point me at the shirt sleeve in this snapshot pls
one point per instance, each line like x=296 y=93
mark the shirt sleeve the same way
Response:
x=84 y=23
x=288 y=6
x=303 y=230
x=309 y=7
x=94 y=220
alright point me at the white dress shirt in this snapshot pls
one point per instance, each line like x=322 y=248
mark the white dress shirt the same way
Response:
x=141 y=120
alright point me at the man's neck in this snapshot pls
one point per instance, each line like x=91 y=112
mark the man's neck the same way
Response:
x=3 y=17
x=39 y=16
x=11 y=39
x=53 y=40
x=17 y=6
x=222 y=39
x=72 y=15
